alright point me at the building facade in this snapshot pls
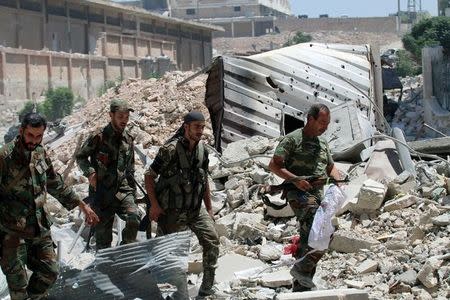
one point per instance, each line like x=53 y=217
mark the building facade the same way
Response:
x=444 y=8
x=82 y=44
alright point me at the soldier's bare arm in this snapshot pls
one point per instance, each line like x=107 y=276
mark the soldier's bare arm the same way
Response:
x=155 y=210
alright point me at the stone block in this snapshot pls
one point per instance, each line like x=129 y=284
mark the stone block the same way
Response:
x=370 y=197
x=409 y=277
x=426 y=274
x=349 y=242
x=224 y=225
x=337 y=294
x=367 y=266
x=400 y=203
x=442 y=220
x=269 y=252
x=259 y=175
x=285 y=212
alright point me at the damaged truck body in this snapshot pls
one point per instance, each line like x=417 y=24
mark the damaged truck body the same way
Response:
x=269 y=94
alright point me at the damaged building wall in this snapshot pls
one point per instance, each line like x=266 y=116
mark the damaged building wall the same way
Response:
x=269 y=94
x=117 y=34
x=436 y=88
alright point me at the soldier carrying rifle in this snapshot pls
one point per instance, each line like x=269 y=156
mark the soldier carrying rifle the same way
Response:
x=304 y=153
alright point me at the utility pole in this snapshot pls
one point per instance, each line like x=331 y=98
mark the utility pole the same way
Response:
x=399 y=20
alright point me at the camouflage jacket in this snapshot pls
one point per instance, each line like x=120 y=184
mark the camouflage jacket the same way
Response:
x=111 y=156
x=304 y=156
x=182 y=174
x=25 y=179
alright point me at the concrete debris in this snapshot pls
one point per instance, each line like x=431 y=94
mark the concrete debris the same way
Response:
x=392 y=234
x=371 y=196
x=349 y=242
x=427 y=273
x=400 y=203
x=340 y=294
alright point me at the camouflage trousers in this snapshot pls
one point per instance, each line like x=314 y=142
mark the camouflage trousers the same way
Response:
x=201 y=223
x=39 y=256
x=305 y=210
x=127 y=210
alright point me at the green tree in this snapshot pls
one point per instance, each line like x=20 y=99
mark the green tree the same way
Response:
x=58 y=103
x=406 y=65
x=298 y=38
x=428 y=32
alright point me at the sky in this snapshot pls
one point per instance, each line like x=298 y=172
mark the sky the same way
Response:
x=356 y=8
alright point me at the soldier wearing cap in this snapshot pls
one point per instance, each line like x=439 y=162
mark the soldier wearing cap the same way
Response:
x=176 y=198
x=107 y=160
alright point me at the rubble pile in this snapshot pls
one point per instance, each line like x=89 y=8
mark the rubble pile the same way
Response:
x=409 y=115
x=392 y=236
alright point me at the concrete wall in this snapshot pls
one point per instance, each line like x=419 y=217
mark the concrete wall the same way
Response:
x=64 y=28
x=376 y=24
x=226 y=8
x=115 y=37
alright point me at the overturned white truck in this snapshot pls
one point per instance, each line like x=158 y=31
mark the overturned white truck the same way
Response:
x=269 y=94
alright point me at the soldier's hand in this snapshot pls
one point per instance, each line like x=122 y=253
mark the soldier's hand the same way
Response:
x=303 y=185
x=93 y=180
x=90 y=215
x=155 y=212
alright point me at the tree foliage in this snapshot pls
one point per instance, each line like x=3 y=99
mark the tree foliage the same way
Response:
x=428 y=32
x=298 y=38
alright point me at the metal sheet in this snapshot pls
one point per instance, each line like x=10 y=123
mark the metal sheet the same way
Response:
x=262 y=93
x=130 y=271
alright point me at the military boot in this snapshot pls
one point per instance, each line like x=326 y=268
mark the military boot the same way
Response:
x=206 y=289
x=304 y=270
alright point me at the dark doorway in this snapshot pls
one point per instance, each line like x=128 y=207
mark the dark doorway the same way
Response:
x=291 y=124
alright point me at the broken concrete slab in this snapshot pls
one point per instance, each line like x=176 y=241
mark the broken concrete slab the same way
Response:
x=231 y=263
x=367 y=266
x=337 y=294
x=355 y=284
x=276 y=279
x=384 y=164
x=349 y=242
x=400 y=203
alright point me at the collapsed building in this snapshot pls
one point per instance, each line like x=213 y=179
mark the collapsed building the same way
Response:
x=393 y=231
x=81 y=45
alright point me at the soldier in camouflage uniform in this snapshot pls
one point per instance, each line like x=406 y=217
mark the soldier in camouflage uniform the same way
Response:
x=26 y=175
x=176 y=198
x=107 y=160
x=302 y=153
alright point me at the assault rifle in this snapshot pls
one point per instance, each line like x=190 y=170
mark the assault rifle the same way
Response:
x=145 y=222
x=315 y=181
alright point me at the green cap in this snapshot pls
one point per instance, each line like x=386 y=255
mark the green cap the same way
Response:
x=120 y=105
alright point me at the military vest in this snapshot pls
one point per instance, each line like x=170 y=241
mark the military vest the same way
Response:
x=185 y=188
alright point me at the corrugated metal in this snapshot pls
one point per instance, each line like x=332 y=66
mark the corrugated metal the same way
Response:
x=269 y=93
x=130 y=271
